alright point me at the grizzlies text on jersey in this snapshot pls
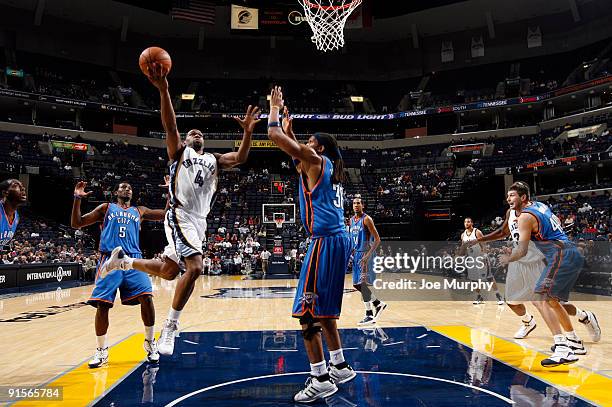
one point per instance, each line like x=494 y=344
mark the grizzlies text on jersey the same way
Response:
x=193 y=182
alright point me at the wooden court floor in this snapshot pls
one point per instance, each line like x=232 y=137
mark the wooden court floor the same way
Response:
x=43 y=335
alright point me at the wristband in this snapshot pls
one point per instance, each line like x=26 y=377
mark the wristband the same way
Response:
x=274 y=124
x=77 y=197
x=274 y=106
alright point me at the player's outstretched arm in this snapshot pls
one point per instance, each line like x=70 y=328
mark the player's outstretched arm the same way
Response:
x=479 y=236
x=156 y=214
x=173 y=139
x=251 y=118
x=500 y=233
x=526 y=224
x=369 y=223
x=275 y=133
x=287 y=122
x=77 y=220
x=151 y=214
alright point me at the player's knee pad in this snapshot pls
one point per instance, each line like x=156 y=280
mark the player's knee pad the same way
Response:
x=310 y=327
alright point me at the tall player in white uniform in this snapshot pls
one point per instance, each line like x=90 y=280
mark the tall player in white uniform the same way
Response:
x=522 y=277
x=192 y=188
x=472 y=234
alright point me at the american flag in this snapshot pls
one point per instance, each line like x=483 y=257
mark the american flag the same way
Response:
x=199 y=11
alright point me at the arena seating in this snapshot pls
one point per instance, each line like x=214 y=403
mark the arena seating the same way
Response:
x=55 y=77
x=393 y=183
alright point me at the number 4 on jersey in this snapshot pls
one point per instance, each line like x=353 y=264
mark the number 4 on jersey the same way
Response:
x=198 y=179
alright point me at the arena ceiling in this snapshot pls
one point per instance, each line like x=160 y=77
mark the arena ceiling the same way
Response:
x=392 y=19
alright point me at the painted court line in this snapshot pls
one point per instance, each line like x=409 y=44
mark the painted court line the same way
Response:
x=226 y=347
x=392 y=343
x=433 y=346
x=84 y=386
x=281 y=350
x=421 y=336
x=190 y=342
x=188 y=353
x=583 y=383
x=248 y=379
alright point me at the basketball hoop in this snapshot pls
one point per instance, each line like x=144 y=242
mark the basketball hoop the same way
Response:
x=327 y=19
x=279 y=219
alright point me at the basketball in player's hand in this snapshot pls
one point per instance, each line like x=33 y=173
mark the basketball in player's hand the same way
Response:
x=152 y=55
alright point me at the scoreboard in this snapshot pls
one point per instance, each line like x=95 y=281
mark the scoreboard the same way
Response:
x=62 y=146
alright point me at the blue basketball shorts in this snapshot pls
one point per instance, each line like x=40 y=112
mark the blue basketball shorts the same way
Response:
x=321 y=285
x=561 y=272
x=359 y=277
x=131 y=284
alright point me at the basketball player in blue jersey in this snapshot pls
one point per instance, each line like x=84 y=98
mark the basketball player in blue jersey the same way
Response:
x=194 y=174
x=120 y=227
x=318 y=297
x=522 y=276
x=13 y=195
x=564 y=263
x=365 y=239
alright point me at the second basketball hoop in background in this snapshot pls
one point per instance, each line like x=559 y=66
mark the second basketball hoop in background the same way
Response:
x=327 y=19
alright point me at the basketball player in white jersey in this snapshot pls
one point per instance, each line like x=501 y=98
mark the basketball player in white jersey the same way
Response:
x=193 y=185
x=522 y=277
x=471 y=234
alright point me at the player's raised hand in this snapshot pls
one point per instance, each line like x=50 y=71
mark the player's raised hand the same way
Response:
x=288 y=123
x=79 y=190
x=166 y=183
x=157 y=76
x=276 y=98
x=250 y=119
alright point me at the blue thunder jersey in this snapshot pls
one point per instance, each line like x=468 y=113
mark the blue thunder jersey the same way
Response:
x=360 y=235
x=550 y=230
x=322 y=209
x=7 y=229
x=121 y=227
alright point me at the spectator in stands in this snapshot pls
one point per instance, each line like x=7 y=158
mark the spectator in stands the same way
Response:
x=89 y=267
x=585 y=208
x=265 y=256
x=207 y=264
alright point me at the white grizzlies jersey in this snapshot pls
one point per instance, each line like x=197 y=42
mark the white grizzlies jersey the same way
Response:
x=533 y=253
x=475 y=250
x=193 y=183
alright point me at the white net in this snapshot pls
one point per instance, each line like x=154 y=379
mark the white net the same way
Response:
x=327 y=19
x=279 y=219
